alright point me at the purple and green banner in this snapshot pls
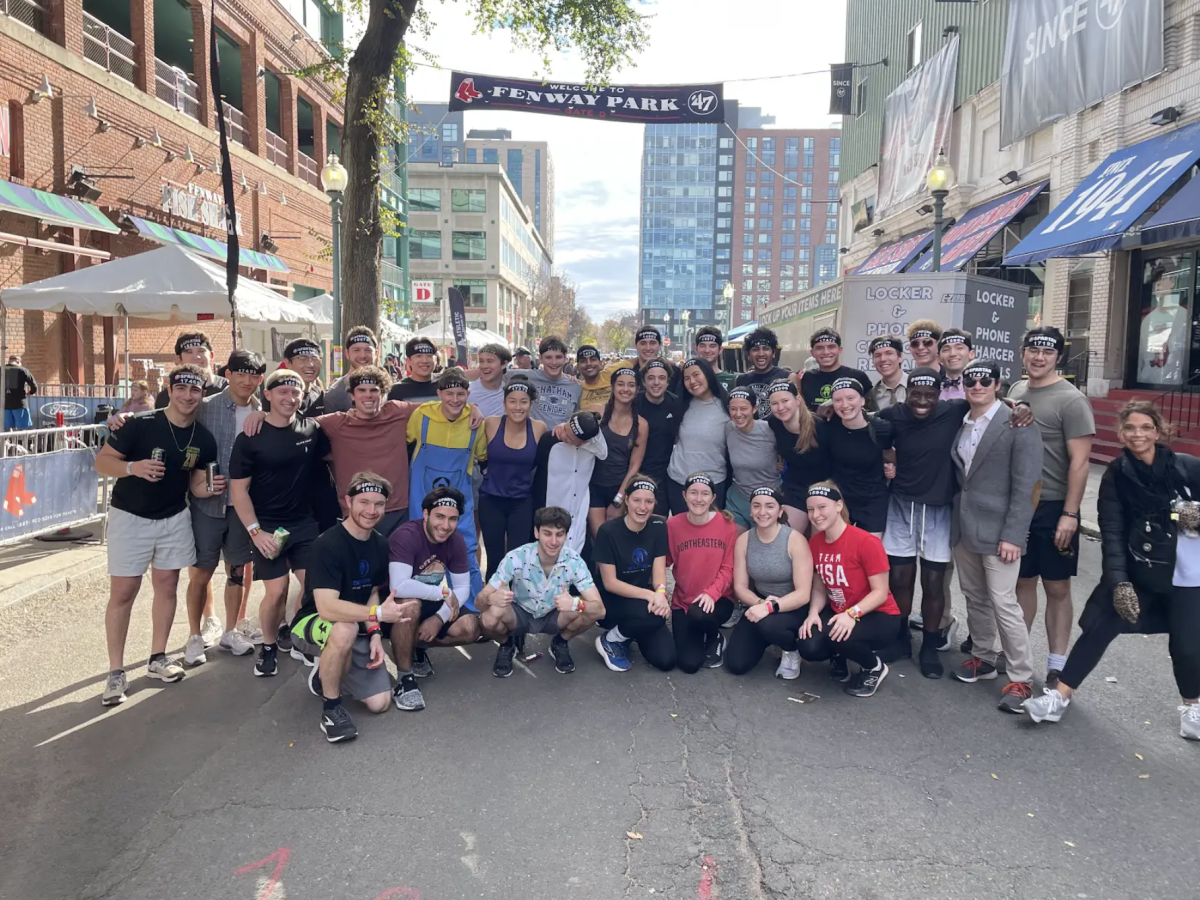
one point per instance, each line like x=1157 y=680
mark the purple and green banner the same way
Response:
x=52 y=208
x=205 y=246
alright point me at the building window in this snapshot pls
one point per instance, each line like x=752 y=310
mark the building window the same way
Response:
x=764 y=237
x=763 y=300
x=725 y=191
x=747 y=269
x=747 y=299
x=805 y=193
x=748 y=208
x=768 y=145
x=767 y=177
x=766 y=224
x=750 y=193
x=468 y=245
x=831 y=224
x=724 y=238
x=833 y=176
x=806 y=224
x=767 y=193
x=789 y=209
x=835 y=159
x=725 y=143
x=768 y=159
x=809 y=143
x=787 y=255
x=722 y=253
x=764 y=271
x=727 y=175
x=751 y=175
x=831 y=194
x=474 y=291
x=472 y=155
x=763 y=284
x=791 y=159
x=860 y=99
x=751 y=160
x=747 y=283
x=805 y=255
x=516 y=159
x=424 y=200
x=791 y=144
x=748 y=254
x=468 y=201
x=425 y=245
x=725 y=159
x=786 y=284
x=748 y=223
x=764 y=255
x=802 y=271
x=806 y=209
x=767 y=209
x=806 y=178
x=747 y=238
x=491 y=157
x=724 y=223
x=789 y=240
x=752 y=143
x=724 y=207
x=789 y=192
x=787 y=271
x=723 y=269
x=1079 y=306
x=835 y=143
x=789 y=224
x=450 y=132
x=912 y=48
x=810 y=160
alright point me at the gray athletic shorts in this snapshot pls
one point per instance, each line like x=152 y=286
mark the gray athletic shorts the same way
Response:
x=359 y=681
x=917 y=530
x=216 y=536
x=528 y=623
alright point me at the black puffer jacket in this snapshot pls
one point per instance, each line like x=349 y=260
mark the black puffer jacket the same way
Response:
x=1136 y=531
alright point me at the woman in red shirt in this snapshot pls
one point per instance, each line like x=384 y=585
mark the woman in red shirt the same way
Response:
x=700 y=550
x=852 y=613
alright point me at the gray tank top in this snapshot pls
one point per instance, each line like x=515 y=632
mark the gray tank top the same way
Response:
x=768 y=565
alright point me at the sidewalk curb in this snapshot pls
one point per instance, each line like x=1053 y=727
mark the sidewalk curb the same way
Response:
x=21 y=582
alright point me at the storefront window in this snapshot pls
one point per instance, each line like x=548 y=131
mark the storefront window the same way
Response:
x=1165 y=319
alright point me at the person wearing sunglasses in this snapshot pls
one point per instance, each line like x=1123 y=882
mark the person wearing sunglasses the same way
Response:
x=999 y=476
x=923 y=336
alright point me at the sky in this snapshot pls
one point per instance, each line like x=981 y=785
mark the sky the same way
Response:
x=598 y=164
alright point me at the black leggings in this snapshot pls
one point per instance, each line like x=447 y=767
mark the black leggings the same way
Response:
x=679 y=505
x=874 y=631
x=506 y=524
x=693 y=629
x=1180 y=611
x=637 y=623
x=751 y=639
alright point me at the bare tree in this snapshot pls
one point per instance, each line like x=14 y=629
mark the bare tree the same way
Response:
x=616 y=334
x=581 y=329
x=552 y=303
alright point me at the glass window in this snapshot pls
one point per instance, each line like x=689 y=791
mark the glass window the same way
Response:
x=725 y=159
x=806 y=209
x=472 y=155
x=747 y=269
x=724 y=223
x=787 y=271
x=833 y=177
x=835 y=160
x=768 y=159
x=516 y=159
x=805 y=193
x=808 y=143
x=748 y=223
x=786 y=284
x=751 y=160
x=752 y=176
x=791 y=159
x=831 y=194
x=491 y=157
x=748 y=300
x=425 y=245
x=766 y=177
x=787 y=255
x=912 y=48
x=831 y=224
x=468 y=201
x=748 y=254
x=764 y=299
x=764 y=255
x=725 y=191
x=764 y=270
x=763 y=284
x=805 y=255
x=450 y=132
x=752 y=143
x=806 y=178
x=835 y=144
x=727 y=175
x=789 y=239
x=802 y=284
x=830 y=238
x=726 y=143
x=748 y=209
x=747 y=284
x=806 y=224
x=791 y=144
x=806 y=240
x=469 y=244
x=809 y=160
x=750 y=193
x=424 y=200
x=766 y=224
x=789 y=224
x=767 y=209
x=764 y=237
x=724 y=207
x=474 y=291
x=724 y=238
x=789 y=192
x=722 y=254
x=768 y=144
x=767 y=193
x=723 y=269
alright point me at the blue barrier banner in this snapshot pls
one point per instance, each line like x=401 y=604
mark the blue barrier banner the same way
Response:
x=76 y=410
x=47 y=490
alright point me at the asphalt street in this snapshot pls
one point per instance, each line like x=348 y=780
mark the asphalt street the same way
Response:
x=594 y=785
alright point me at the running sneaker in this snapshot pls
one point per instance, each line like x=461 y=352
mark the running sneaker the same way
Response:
x=967 y=646
x=867 y=681
x=899 y=649
x=193 y=653
x=307 y=658
x=165 y=669
x=714 y=651
x=253 y=634
x=211 y=631
x=931 y=666
x=789 y=666
x=1014 y=695
x=114 y=688
x=407 y=695
x=503 y=666
x=267 y=664
x=974 y=669
x=1047 y=708
x=560 y=649
x=614 y=653
x=916 y=622
x=948 y=634
x=1189 y=721
x=735 y=616
x=283 y=638
x=314 y=682
x=337 y=725
x=236 y=643
x=839 y=670
x=1052 y=676
x=421 y=666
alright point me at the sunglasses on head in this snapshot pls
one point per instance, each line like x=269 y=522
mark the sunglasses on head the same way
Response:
x=927 y=342
x=985 y=381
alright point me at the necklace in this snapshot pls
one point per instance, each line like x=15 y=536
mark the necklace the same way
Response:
x=186 y=443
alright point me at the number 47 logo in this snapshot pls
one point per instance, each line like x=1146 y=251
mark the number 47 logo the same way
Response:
x=702 y=102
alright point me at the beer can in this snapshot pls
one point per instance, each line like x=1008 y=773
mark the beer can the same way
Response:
x=158 y=454
x=211 y=471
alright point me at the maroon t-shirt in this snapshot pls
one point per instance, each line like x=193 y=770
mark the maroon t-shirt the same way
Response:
x=431 y=563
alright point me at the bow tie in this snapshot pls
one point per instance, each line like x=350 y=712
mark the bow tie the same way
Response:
x=952 y=382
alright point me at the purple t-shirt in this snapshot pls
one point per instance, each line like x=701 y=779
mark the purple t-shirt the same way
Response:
x=430 y=562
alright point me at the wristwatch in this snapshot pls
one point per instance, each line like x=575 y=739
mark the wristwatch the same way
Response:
x=774 y=604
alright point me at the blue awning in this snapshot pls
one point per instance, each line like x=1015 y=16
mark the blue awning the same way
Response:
x=1111 y=199
x=1179 y=219
x=205 y=246
x=893 y=257
x=976 y=229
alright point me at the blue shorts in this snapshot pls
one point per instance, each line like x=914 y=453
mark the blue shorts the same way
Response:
x=17 y=419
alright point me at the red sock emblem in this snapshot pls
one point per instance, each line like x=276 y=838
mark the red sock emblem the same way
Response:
x=17 y=497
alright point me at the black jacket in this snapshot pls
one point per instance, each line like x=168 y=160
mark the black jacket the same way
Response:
x=1137 y=538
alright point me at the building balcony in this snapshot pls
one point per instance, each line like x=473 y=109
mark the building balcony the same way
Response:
x=173 y=87
x=276 y=150
x=307 y=168
x=391 y=274
x=235 y=119
x=107 y=48
x=29 y=13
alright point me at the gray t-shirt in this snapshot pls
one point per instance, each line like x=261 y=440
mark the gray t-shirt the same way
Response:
x=557 y=399
x=698 y=447
x=337 y=396
x=489 y=400
x=1062 y=414
x=752 y=456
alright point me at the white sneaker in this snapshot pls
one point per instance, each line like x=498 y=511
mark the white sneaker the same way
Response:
x=789 y=666
x=236 y=643
x=1047 y=708
x=1189 y=721
x=114 y=688
x=165 y=669
x=211 y=631
x=735 y=616
x=193 y=655
x=251 y=632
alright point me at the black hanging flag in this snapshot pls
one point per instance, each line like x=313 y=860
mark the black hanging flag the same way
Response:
x=841 y=91
x=234 y=252
x=458 y=319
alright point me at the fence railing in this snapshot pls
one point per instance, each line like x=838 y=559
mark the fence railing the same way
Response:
x=276 y=150
x=52 y=440
x=107 y=48
x=28 y=12
x=173 y=87
x=1181 y=406
x=307 y=168
x=237 y=124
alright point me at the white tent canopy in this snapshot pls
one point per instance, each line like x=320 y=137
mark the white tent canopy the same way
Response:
x=476 y=337
x=161 y=283
x=322 y=307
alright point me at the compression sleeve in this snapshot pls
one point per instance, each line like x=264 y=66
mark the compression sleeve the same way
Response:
x=400 y=576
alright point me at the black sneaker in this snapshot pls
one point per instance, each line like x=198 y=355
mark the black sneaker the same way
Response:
x=947 y=635
x=421 y=666
x=931 y=666
x=560 y=649
x=283 y=638
x=337 y=725
x=714 y=652
x=267 y=664
x=899 y=649
x=314 y=681
x=866 y=682
x=839 y=670
x=968 y=645
x=503 y=666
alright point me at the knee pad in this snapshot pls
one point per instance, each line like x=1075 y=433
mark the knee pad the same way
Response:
x=236 y=574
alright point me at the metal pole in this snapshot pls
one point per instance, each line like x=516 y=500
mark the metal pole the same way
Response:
x=3 y=363
x=335 y=355
x=128 y=369
x=939 y=205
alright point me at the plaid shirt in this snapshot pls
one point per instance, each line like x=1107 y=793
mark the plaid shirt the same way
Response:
x=218 y=414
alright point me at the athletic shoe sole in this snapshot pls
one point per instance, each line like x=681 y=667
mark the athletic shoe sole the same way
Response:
x=787 y=677
x=314 y=675
x=168 y=680
x=1046 y=718
x=299 y=657
x=501 y=674
x=396 y=701
x=878 y=682
x=194 y=663
x=260 y=674
x=968 y=679
x=338 y=738
x=244 y=652
x=113 y=701
x=607 y=660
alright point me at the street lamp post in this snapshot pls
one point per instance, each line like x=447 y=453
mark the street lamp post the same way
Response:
x=333 y=181
x=667 y=325
x=727 y=296
x=685 y=317
x=938 y=181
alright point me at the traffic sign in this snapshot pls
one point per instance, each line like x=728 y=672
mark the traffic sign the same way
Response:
x=666 y=342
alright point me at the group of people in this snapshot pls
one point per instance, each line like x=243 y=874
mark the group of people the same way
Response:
x=794 y=510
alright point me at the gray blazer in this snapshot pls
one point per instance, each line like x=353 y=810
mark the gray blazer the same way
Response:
x=996 y=500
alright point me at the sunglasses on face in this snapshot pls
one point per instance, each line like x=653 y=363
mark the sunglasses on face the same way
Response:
x=928 y=342
x=984 y=381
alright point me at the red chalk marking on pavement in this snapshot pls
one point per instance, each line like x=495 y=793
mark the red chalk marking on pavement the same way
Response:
x=280 y=858
x=708 y=878
x=399 y=893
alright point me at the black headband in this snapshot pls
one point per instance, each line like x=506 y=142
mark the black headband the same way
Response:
x=188 y=378
x=641 y=485
x=576 y=426
x=922 y=381
x=305 y=350
x=981 y=370
x=647 y=334
x=842 y=384
x=820 y=490
x=697 y=478
x=193 y=343
x=655 y=364
x=920 y=333
x=759 y=341
x=365 y=379
x=766 y=492
x=291 y=378
x=360 y=339
x=741 y=393
x=367 y=487
x=881 y=342
x=707 y=339
x=587 y=353
x=516 y=386
x=779 y=386
x=244 y=369
x=624 y=370
x=953 y=339
x=825 y=337
x=446 y=501
x=692 y=361
x=424 y=348
x=1041 y=340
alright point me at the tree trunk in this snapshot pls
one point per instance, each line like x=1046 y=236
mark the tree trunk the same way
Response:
x=369 y=77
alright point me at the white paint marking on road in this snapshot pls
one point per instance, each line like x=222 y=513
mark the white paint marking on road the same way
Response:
x=264 y=886
x=471 y=859
x=463 y=652
x=108 y=714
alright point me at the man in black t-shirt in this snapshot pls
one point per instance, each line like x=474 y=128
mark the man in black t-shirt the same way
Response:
x=270 y=478
x=157 y=458
x=304 y=358
x=346 y=620
x=195 y=349
x=816 y=387
x=419 y=385
x=18 y=385
x=761 y=347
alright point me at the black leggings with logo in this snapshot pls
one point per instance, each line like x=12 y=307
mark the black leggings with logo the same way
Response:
x=874 y=631
x=693 y=628
x=638 y=624
x=750 y=640
x=506 y=523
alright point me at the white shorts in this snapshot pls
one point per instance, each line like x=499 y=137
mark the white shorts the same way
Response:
x=917 y=530
x=135 y=543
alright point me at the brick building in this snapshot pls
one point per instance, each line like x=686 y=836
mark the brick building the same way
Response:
x=109 y=102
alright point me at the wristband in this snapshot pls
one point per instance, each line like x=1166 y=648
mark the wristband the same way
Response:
x=372 y=628
x=129 y=468
x=373 y=613
x=855 y=612
x=580 y=605
x=253 y=528
x=772 y=605
x=660 y=588
x=618 y=498
x=1071 y=515
x=445 y=592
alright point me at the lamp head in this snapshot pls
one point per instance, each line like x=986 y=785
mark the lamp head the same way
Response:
x=941 y=175
x=333 y=175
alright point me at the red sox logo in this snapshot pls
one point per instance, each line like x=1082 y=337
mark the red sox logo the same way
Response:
x=466 y=91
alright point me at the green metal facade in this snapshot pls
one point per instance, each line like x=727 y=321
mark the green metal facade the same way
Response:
x=879 y=28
